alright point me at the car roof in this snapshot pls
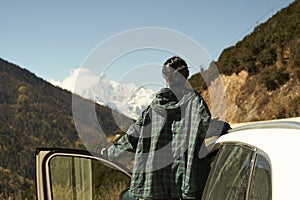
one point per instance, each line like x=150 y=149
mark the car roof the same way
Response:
x=263 y=134
x=279 y=140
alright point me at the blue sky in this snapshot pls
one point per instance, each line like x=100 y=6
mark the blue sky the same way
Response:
x=51 y=38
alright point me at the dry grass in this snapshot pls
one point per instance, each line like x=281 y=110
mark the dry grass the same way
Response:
x=104 y=192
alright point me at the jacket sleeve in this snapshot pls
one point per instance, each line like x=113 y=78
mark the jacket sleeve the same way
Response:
x=205 y=117
x=128 y=142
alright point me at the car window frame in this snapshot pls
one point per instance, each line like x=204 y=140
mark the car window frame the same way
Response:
x=264 y=155
x=256 y=151
x=43 y=171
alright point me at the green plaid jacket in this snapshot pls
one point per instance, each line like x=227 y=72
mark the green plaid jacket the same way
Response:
x=166 y=141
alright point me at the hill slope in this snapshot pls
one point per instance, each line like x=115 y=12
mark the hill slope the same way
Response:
x=34 y=114
x=261 y=73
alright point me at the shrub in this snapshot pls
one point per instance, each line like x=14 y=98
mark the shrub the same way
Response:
x=293 y=110
x=273 y=78
x=268 y=57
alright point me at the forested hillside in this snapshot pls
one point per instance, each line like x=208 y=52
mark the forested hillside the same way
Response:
x=34 y=114
x=261 y=73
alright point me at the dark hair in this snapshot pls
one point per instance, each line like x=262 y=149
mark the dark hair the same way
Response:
x=176 y=71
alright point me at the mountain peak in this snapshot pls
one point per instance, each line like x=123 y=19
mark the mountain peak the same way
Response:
x=126 y=98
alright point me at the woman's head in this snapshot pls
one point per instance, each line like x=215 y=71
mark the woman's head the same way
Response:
x=175 y=71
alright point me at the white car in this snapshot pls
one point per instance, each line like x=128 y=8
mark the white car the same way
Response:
x=257 y=161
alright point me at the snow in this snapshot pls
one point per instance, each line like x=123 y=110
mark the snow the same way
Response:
x=126 y=98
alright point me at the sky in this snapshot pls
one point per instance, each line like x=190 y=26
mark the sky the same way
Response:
x=54 y=38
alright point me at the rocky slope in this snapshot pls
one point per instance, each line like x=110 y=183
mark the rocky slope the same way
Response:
x=261 y=73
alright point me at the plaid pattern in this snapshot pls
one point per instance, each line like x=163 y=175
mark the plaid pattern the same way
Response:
x=166 y=140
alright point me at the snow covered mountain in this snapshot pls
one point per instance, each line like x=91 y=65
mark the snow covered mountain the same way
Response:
x=128 y=99
x=125 y=98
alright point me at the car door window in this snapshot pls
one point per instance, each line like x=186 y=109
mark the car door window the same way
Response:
x=260 y=188
x=83 y=178
x=230 y=175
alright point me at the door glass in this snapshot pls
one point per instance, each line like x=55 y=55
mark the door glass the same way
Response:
x=261 y=180
x=230 y=175
x=82 y=178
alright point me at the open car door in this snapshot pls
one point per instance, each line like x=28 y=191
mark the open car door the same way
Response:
x=76 y=174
